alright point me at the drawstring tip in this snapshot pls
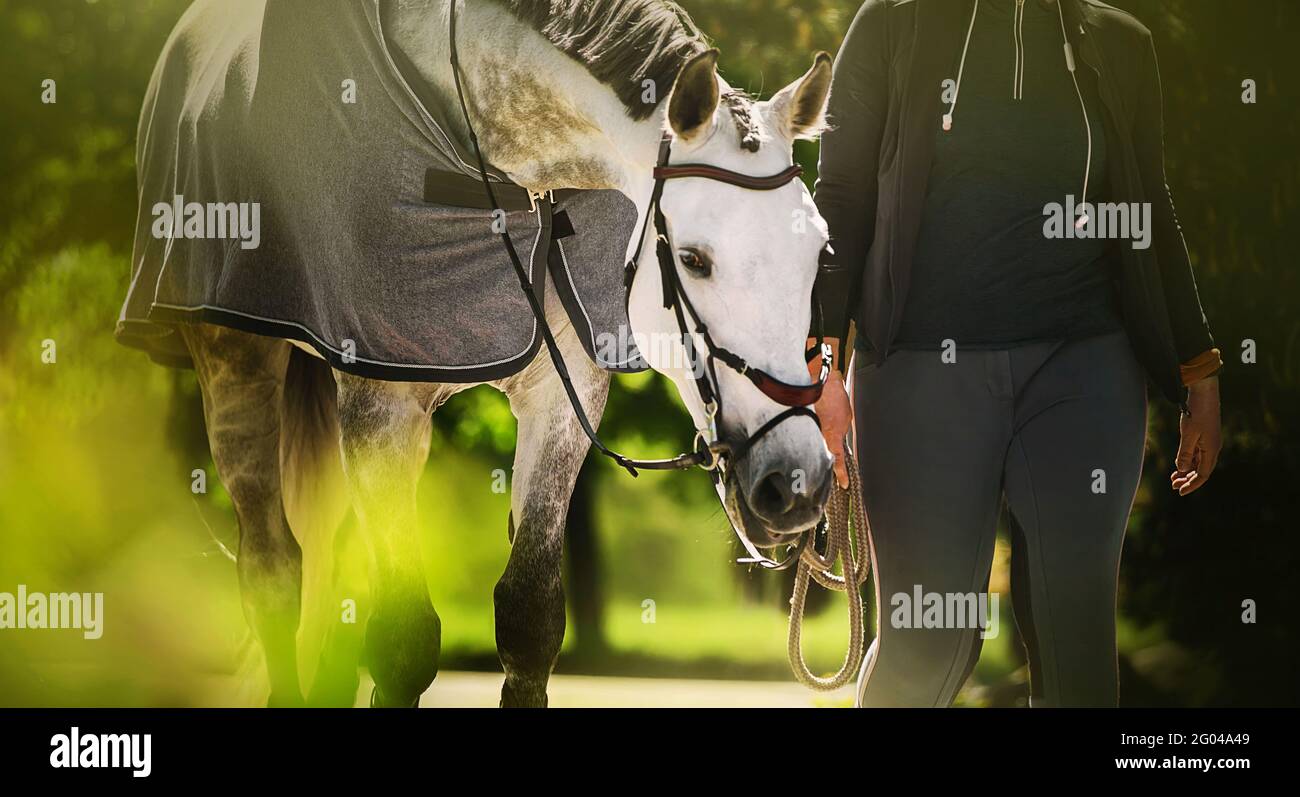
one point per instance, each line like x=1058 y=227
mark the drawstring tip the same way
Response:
x=947 y=122
x=1081 y=222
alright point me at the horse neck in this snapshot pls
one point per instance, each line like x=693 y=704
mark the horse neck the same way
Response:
x=541 y=118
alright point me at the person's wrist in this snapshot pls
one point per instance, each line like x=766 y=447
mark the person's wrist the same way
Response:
x=834 y=343
x=1203 y=366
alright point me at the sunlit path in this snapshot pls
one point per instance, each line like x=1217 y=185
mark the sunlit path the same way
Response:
x=481 y=690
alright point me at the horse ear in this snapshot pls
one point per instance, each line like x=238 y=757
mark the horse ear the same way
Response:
x=694 y=98
x=799 y=109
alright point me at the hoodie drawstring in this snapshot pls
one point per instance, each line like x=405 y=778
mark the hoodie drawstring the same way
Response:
x=1018 y=34
x=1018 y=85
x=1087 y=169
x=961 y=66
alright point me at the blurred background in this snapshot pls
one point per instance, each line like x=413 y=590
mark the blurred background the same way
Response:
x=97 y=450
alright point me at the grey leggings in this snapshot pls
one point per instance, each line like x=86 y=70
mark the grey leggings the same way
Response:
x=1056 y=430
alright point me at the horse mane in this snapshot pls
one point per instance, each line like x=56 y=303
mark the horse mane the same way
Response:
x=621 y=42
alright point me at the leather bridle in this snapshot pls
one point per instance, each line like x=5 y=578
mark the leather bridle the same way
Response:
x=796 y=398
x=708 y=451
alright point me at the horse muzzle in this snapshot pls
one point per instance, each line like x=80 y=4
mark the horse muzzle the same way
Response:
x=788 y=502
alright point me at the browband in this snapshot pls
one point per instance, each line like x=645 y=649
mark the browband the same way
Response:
x=721 y=175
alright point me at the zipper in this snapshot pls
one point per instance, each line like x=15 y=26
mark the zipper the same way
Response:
x=1018 y=34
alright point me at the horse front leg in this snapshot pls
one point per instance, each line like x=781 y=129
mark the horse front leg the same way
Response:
x=550 y=448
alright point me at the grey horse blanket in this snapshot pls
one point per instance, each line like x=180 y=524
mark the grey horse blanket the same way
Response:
x=295 y=180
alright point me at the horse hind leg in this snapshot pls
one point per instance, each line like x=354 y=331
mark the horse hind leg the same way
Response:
x=241 y=377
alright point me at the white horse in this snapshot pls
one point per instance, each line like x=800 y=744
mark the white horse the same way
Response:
x=557 y=91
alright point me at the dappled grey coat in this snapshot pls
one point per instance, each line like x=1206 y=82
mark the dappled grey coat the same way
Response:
x=360 y=255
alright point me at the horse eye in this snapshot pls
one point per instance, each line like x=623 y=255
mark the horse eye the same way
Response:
x=695 y=262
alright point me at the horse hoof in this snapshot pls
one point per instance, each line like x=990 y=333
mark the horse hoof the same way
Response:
x=377 y=700
x=512 y=697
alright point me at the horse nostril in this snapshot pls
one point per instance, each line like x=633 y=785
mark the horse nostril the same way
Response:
x=773 y=497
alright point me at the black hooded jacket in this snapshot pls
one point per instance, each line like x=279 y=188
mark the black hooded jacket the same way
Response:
x=886 y=101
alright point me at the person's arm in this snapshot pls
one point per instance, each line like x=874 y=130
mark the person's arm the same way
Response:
x=1200 y=433
x=845 y=194
x=848 y=165
x=1191 y=330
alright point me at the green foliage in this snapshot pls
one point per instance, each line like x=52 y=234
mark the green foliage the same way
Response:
x=1190 y=563
x=766 y=44
x=68 y=299
x=69 y=166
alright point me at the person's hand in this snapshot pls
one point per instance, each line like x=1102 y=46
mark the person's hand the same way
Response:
x=1201 y=438
x=836 y=414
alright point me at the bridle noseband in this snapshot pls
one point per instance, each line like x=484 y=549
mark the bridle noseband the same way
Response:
x=708 y=451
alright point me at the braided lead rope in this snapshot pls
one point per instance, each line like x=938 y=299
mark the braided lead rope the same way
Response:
x=844 y=510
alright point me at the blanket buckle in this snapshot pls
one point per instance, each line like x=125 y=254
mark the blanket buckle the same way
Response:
x=534 y=196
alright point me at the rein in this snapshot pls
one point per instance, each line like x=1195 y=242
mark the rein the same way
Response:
x=845 y=538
